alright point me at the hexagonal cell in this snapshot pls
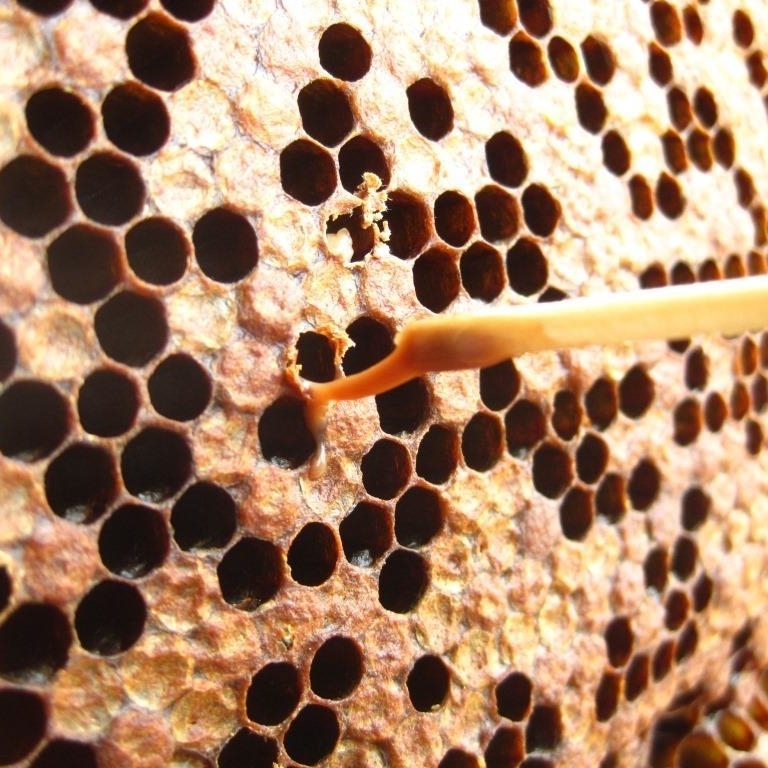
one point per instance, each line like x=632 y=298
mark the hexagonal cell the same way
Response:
x=676 y=607
x=409 y=224
x=482 y=441
x=526 y=60
x=160 y=52
x=205 y=516
x=344 y=52
x=34 y=420
x=81 y=482
x=313 y=554
x=641 y=196
x=403 y=579
x=616 y=155
x=360 y=155
x=107 y=403
x=307 y=172
x=337 y=668
x=685 y=555
x=675 y=155
x=312 y=735
x=636 y=676
x=735 y=731
x=430 y=108
x=513 y=696
x=454 y=218
x=591 y=458
x=590 y=108
x=135 y=119
x=687 y=420
x=23 y=720
x=715 y=411
x=598 y=59
x=34 y=196
x=507 y=163
x=545 y=728
x=500 y=16
x=610 y=498
x=284 y=436
x=527 y=268
x=386 y=468
x=250 y=573
x=536 y=16
x=436 y=279
x=155 y=464
x=109 y=189
x=438 y=454
x=576 y=513
x=669 y=196
x=326 y=112
x=656 y=569
x=636 y=392
x=64 y=753
x=552 y=470
x=701 y=750
x=607 y=696
x=563 y=59
x=157 y=250
x=110 y=618
x=566 y=414
x=405 y=408
x=179 y=388
x=601 y=402
x=482 y=271
x=505 y=748
x=133 y=541
x=666 y=23
x=226 y=248
x=428 y=683
x=419 y=516
x=663 y=658
x=59 y=120
x=366 y=533
x=644 y=484
x=525 y=426
x=619 y=640
x=702 y=591
x=273 y=693
x=248 y=748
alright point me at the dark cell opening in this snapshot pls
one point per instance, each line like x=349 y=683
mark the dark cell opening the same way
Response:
x=81 y=482
x=482 y=441
x=110 y=618
x=160 y=52
x=247 y=748
x=34 y=196
x=685 y=553
x=344 y=53
x=527 y=268
x=666 y=23
x=179 y=388
x=204 y=516
x=107 y=403
x=428 y=683
x=419 y=516
x=676 y=607
x=109 y=189
x=747 y=356
x=576 y=513
x=500 y=16
x=499 y=385
x=225 y=245
x=436 y=279
x=284 y=437
x=758 y=74
x=307 y=172
x=669 y=197
x=507 y=163
x=616 y=156
x=607 y=696
x=133 y=541
x=598 y=59
x=679 y=107
x=135 y=119
x=705 y=107
x=316 y=355
x=60 y=121
x=699 y=149
x=675 y=155
x=63 y=753
x=454 y=218
x=157 y=250
x=724 y=147
x=702 y=591
x=188 y=10
x=482 y=271
x=566 y=414
x=404 y=408
x=273 y=694
x=513 y=696
x=552 y=470
x=687 y=421
x=372 y=343
x=601 y=403
x=313 y=554
x=155 y=464
x=644 y=484
x=84 y=263
x=505 y=748
x=366 y=534
x=458 y=758
x=642 y=197
x=739 y=401
x=636 y=676
x=526 y=60
x=591 y=458
x=438 y=454
x=696 y=369
x=525 y=425
x=610 y=500
x=636 y=392
x=715 y=411
x=6 y=588
x=754 y=437
x=403 y=579
x=708 y=270
x=409 y=225
x=337 y=668
x=687 y=642
x=694 y=29
x=45 y=8
x=590 y=108
x=120 y=9
x=563 y=59
x=743 y=30
x=358 y=156
x=430 y=108
x=34 y=643
x=326 y=113
x=536 y=16
x=386 y=469
x=663 y=657
x=312 y=735
x=659 y=65
x=545 y=729
x=497 y=213
x=745 y=187
x=619 y=641
x=23 y=720
x=736 y=732
x=8 y=353
x=34 y=420
x=656 y=569
x=250 y=573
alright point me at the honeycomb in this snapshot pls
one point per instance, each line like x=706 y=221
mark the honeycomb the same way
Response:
x=558 y=560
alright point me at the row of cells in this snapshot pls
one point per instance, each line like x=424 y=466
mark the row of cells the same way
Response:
x=183 y=10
